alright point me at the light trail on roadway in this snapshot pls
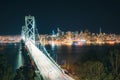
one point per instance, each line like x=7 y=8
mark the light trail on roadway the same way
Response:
x=48 y=69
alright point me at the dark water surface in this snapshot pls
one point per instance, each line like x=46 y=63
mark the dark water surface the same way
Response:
x=73 y=54
x=14 y=55
x=61 y=54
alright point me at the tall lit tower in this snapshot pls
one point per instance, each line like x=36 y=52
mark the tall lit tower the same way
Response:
x=100 y=30
x=58 y=29
x=58 y=32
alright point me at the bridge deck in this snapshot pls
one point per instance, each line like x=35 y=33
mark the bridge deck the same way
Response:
x=48 y=69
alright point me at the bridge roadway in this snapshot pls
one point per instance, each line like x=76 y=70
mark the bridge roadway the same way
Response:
x=48 y=69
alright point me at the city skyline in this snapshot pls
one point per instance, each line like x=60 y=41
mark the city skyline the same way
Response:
x=59 y=40
x=67 y=15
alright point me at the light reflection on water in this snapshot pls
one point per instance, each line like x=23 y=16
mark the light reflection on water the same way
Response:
x=71 y=54
x=19 y=58
x=14 y=55
x=62 y=54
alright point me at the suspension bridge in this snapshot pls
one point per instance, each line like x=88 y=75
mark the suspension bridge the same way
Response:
x=45 y=65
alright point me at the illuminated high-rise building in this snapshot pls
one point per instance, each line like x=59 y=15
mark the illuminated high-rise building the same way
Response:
x=100 y=30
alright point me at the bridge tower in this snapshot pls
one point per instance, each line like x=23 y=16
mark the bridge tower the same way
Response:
x=29 y=28
x=40 y=56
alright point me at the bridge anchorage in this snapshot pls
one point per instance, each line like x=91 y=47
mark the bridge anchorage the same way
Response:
x=45 y=65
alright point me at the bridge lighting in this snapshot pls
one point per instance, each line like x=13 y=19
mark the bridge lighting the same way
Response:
x=44 y=63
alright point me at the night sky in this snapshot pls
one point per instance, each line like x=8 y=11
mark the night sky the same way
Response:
x=68 y=15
